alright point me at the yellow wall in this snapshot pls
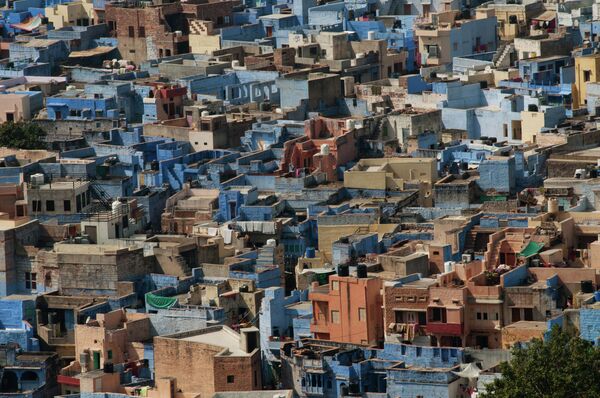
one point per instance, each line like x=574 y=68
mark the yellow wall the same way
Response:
x=531 y=124
x=589 y=63
x=205 y=44
x=393 y=175
x=63 y=15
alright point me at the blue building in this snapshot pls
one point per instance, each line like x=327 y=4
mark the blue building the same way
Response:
x=17 y=322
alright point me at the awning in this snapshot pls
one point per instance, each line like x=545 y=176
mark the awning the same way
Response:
x=160 y=301
x=471 y=371
x=102 y=50
x=546 y=16
x=531 y=249
x=30 y=24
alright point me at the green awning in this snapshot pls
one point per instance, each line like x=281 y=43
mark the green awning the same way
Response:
x=531 y=249
x=160 y=301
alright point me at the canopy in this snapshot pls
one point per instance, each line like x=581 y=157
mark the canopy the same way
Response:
x=471 y=371
x=30 y=24
x=160 y=301
x=531 y=249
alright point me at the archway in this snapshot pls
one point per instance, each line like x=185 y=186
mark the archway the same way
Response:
x=10 y=382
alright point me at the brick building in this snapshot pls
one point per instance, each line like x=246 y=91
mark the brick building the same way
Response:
x=348 y=309
x=161 y=30
x=209 y=360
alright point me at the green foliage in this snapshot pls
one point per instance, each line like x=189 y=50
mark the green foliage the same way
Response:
x=22 y=135
x=563 y=366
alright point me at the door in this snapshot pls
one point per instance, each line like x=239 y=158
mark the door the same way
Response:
x=481 y=341
x=96 y=359
x=92 y=233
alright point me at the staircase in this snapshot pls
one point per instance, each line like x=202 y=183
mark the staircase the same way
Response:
x=101 y=195
x=502 y=57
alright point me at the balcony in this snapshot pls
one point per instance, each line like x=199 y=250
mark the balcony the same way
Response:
x=445 y=329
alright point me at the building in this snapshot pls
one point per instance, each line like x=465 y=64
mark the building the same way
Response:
x=209 y=360
x=445 y=38
x=587 y=70
x=348 y=308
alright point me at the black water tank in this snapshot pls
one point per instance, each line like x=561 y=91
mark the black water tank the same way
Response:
x=154 y=165
x=109 y=368
x=342 y=270
x=593 y=173
x=361 y=271
x=587 y=287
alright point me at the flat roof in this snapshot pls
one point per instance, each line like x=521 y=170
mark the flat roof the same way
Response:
x=223 y=337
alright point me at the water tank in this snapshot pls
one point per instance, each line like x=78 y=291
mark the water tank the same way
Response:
x=310 y=252
x=371 y=35
x=448 y=265
x=360 y=55
x=271 y=242
x=350 y=124
x=361 y=271
x=71 y=88
x=37 y=179
x=342 y=270
x=587 y=286
x=552 y=206
x=324 y=149
x=109 y=367
x=115 y=205
x=580 y=173
x=235 y=63
x=154 y=165
x=205 y=114
x=279 y=111
x=593 y=173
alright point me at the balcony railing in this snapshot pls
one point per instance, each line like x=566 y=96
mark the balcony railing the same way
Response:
x=446 y=329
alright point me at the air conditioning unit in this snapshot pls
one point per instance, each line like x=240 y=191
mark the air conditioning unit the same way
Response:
x=467 y=258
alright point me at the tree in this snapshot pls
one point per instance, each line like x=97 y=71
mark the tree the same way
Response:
x=561 y=366
x=22 y=135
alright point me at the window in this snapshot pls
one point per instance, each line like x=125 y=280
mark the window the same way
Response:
x=36 y=205
x=30 y=280
x=49 y=205
x=436 y=253
x=362 y=314
x=479 y=315
x=335 y=317
x=66 y=205
x=436 y=314
x=109 y=354
x=587 y=75
x=335 y=285
x=230 y=379
x=528 y=314
x=142 y=31
x=131 y=31
x=485 y=316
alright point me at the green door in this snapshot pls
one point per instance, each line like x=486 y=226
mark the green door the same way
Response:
x=96 y=359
